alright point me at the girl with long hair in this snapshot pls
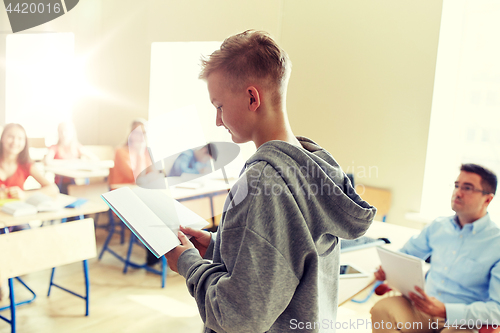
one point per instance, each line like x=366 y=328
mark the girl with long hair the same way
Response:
x=16 y=165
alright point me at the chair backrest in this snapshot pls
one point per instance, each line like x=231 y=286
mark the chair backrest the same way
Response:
x=104 y=152
x=378 y=197
x=37 y=249
x=91 y=191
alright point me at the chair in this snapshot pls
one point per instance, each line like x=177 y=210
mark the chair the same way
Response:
x=133 y=240
x=41 y=248
x=203 y=206
x=129 y=263
x=111 y=230
x=93 y=192
x=378 y=197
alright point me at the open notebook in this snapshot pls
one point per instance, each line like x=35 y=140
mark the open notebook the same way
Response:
x=37 y=202
x=153 y=216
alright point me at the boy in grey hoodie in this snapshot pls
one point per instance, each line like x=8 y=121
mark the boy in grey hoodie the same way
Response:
x=273 y=265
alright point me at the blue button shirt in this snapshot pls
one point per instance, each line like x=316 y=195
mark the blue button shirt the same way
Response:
x=465 y=267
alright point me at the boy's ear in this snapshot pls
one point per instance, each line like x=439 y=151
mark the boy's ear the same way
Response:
x=253 y=98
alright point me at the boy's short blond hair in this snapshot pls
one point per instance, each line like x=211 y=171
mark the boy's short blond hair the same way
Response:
x=250 y=55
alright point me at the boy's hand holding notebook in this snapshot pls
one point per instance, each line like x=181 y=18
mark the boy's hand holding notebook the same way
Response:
x=153 y=216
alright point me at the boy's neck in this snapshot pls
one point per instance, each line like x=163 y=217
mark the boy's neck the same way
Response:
x=286 y=137
x=275 y=126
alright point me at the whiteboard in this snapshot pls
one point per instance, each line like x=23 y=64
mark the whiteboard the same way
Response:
x=180 y=114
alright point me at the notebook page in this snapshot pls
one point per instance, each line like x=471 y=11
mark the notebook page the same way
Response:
x=143 y=222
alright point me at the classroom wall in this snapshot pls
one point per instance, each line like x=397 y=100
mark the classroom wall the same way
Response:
x=361 y=83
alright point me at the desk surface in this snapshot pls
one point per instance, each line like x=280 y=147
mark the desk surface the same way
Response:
x=90 y=207
x=367 y=259
x=180 y=192
x=80 y=168
x=211 y=186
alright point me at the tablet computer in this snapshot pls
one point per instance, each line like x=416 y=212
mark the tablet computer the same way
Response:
x=351 y=271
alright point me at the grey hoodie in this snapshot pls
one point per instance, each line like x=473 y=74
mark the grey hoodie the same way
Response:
x=275 y=258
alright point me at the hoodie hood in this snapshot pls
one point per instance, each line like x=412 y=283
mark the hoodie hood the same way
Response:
x=325 y=195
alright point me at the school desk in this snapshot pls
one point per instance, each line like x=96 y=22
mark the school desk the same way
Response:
x=367 y=259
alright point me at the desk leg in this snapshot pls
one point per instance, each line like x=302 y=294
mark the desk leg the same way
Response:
x=51 y=279
x=129 y=252
x=110 y=233
x=12 y=306
x=164 y=266
x=122 y=233
x=87 y=286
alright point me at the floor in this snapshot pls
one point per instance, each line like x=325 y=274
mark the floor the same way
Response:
x=132 y=302
x=353 y=317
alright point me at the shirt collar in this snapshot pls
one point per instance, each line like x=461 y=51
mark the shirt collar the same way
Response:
x=476 y=226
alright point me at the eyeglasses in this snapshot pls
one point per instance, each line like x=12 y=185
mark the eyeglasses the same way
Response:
x=468 y=188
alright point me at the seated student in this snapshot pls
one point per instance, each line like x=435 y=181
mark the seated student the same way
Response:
x=193 y=161
x=463 y=283
x=16 y=165
x=132 y=158
x=67 y=148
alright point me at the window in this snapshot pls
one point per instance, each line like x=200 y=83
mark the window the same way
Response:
x=465 y=117
x=40 y=85
x=180 y=111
